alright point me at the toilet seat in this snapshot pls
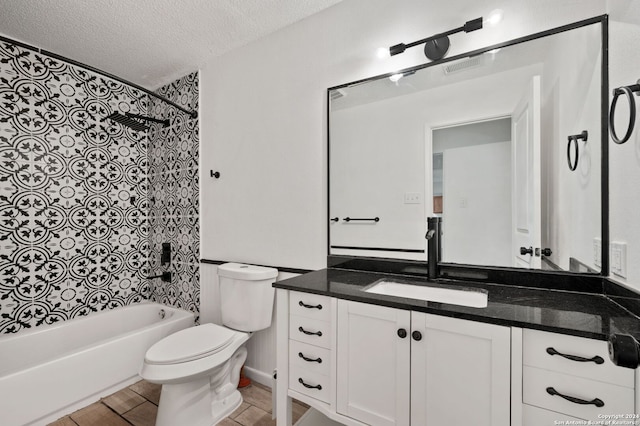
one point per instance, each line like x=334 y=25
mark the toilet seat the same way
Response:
x=190 y=344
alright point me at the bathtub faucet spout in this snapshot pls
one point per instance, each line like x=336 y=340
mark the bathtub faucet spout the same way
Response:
x=165 y=276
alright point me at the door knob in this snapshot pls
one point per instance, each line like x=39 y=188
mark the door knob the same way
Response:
x=524 y=250
x=546 y=252
x=402 y=333
x=416 y=335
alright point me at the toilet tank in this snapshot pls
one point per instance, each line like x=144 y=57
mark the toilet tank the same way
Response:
x=246 y=296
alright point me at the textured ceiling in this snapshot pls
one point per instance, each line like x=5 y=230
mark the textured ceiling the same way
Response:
x=149 y=42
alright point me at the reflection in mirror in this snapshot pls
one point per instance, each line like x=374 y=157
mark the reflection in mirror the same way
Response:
x=482 y=142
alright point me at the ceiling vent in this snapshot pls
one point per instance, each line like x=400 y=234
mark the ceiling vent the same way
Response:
x=463 y=65
x=337 y=94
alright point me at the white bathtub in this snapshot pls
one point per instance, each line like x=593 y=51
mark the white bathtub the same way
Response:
x=52 y=371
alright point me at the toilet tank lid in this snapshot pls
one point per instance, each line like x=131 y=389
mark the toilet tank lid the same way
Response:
x=246 y=272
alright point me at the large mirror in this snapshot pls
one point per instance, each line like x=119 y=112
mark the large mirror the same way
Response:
x=504 y=145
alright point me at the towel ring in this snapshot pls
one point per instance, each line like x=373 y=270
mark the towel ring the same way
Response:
x=628 y=91
x=574 y=138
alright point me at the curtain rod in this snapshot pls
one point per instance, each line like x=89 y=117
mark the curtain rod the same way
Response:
x=193 y=114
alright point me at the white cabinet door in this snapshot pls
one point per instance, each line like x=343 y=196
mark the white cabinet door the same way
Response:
x=534 y=416
x=373 y=363
x=460 y=372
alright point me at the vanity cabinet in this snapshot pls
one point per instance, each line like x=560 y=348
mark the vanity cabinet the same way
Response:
x=568 y=378
x=397 y=367
x=363 y=364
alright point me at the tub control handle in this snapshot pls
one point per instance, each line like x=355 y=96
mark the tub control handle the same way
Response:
x=310 y=333
x=319 y=387
x=596 y=401
x=165 y=276
x=596 y=359
x=318 y=360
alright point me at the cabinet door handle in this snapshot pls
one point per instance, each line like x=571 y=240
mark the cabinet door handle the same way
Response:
x=314 y=333
x=319 y=387
x=304 y=305
x=416 y=335
x=318 y=360
x=596 y=359
x=596 y=401
x=402 y=333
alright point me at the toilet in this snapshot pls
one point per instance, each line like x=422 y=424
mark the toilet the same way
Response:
x=199 y=367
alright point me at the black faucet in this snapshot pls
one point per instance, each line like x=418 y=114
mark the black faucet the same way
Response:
x=434 y=246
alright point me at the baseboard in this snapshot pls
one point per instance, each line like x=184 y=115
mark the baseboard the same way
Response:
x=258 y=376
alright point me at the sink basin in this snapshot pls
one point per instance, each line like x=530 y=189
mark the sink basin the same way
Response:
x=474 y=298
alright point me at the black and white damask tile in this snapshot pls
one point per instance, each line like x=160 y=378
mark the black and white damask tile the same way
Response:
x=174 y=195
x=73 y=192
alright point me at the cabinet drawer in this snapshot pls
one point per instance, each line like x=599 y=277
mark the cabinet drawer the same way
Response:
x=310 y=331
x=310 y=306
x=535 y=382
x=317 y=360
x=317 y=385
x=534 y=416
x=536 y=345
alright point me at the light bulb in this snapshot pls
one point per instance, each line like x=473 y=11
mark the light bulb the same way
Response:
x=494 y=17
x=382 y=52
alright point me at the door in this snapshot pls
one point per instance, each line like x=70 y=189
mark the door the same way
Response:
x=525 y=167
x=373 y=363
x=460 y=372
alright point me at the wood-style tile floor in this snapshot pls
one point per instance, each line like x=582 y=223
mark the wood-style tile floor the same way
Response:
x=138 y=405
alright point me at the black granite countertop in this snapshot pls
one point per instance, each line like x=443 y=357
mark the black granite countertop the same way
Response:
x=579 y=314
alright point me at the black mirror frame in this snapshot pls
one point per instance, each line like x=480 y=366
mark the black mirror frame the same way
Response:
x=496 y=273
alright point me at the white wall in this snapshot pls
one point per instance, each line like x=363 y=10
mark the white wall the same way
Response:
x=624 y=173
x=264 y=113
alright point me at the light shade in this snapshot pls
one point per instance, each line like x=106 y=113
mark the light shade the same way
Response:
x=397 y=49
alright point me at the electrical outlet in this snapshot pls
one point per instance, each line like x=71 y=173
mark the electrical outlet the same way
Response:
x=412 y=198
x=597 y=252
x=619 y=259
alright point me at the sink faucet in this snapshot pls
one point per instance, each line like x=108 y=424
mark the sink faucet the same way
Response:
x=434 y=246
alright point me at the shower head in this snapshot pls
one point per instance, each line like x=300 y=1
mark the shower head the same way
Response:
x=133 y=120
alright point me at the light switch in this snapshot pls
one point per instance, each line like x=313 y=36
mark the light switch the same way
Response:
x=619 y=259
x=412 y=198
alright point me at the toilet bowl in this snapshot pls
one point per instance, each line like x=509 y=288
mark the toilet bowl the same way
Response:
x=199 y=367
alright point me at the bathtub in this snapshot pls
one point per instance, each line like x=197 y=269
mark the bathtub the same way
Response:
x=54 y=370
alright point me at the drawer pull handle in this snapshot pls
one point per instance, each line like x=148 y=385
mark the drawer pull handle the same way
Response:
x=596 y=359
x=309 y=386
x=304 y=305
x=314 y=333
x=597 y=401
x=318 y=360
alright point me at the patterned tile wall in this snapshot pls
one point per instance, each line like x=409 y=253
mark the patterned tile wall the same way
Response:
x=73 y=192
x=173 y=195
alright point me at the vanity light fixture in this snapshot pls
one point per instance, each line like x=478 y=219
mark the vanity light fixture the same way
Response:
x=435 y=47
